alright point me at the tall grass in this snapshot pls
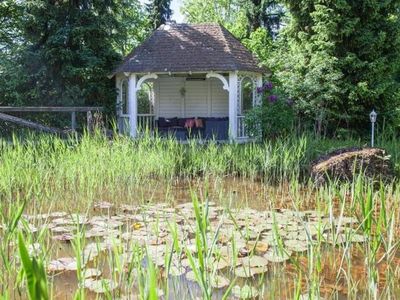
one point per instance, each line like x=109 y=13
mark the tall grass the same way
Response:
x=54 y=169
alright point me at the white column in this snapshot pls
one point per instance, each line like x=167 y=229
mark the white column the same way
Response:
x=233 y=103
x=118 y=101
x=132 y=104
x=259 y=84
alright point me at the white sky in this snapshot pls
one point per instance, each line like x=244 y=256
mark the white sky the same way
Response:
x=175 y=6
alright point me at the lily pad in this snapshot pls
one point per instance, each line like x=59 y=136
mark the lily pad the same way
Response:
x=62 y=264
x=276 y=256
x=245 y=292
x=219 y=282
x=100 y=286
x=253 y=261
x=103 y=205
x=258 y=246
x=64 y=237
x=91 y=273
x=247 y=272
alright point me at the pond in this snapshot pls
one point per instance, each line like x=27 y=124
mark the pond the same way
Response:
x=193 y=238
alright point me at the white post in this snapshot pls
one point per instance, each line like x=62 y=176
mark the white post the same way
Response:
x=372 y=117
x=372 y=134
x=118 y=103
x=132 y=106
x=233 y=104
x=258 y=96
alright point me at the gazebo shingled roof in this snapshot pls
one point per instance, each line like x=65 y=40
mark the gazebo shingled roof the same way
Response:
x=190 y=48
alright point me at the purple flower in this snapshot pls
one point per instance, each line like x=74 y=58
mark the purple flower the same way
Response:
x=272 y=98
x=268 y=85
x=260 y=90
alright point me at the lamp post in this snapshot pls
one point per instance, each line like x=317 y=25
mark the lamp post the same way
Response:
x=372 y=117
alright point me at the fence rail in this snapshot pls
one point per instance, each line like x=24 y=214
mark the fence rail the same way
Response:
x=50 y=108
x=146 y=121
x=64 y=109
x=241 y=127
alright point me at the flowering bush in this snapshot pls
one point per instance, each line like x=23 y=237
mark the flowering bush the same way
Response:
x=274 y=117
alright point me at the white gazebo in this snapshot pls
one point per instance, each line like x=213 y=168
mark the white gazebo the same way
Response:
x=187 y=71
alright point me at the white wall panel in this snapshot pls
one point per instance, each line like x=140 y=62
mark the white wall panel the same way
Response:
x=196 y=99
x=203 y=98
x=219 y=99
x=168 y=97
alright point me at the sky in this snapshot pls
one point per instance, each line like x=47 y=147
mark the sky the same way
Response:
x=175 y=6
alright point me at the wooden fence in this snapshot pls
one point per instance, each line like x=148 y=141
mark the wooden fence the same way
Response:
x=61 y=109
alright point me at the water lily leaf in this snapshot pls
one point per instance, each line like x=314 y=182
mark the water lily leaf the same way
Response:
x=63 y=229
x=91 y=273
x=253 y=261
x=247 y=272
x=245 y=292
x=219 y=282
x=277 y=257
x=258 y=246
x=100 y=286
x=296 y=245
x=103 y=205
x=64 y=237
x=62 y=264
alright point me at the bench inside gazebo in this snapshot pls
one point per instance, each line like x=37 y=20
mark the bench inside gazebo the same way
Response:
x=188 y=81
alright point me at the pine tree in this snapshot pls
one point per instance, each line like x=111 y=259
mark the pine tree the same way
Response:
x=159 y=12
x=337 y=60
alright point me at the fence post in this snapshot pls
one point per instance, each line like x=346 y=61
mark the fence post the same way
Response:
x=89 y=120
x=73 y=120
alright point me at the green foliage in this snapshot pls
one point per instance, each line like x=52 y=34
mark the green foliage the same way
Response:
x=337 y=60
x=60 y=53
x=242 y=18
x=34 y=271
x=260 y=44
x=274 y=117
x=230 y=14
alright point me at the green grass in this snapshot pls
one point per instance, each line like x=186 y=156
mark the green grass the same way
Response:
x=49 y=168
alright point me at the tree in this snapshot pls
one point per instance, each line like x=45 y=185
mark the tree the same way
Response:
x=66 y=49
x=229 y=13
x=241 y=17
x=264 y=13
x=337 y=60
x=159 y=12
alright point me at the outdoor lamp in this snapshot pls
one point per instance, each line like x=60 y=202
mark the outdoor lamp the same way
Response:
x=372 y=117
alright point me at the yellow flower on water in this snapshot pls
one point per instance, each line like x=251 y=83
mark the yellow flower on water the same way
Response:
x=137 y=226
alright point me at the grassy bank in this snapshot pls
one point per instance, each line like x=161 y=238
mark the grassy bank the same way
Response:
x=49 y=168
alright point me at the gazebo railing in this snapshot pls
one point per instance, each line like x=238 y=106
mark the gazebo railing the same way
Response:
x=146 y=122
x=241 y=127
